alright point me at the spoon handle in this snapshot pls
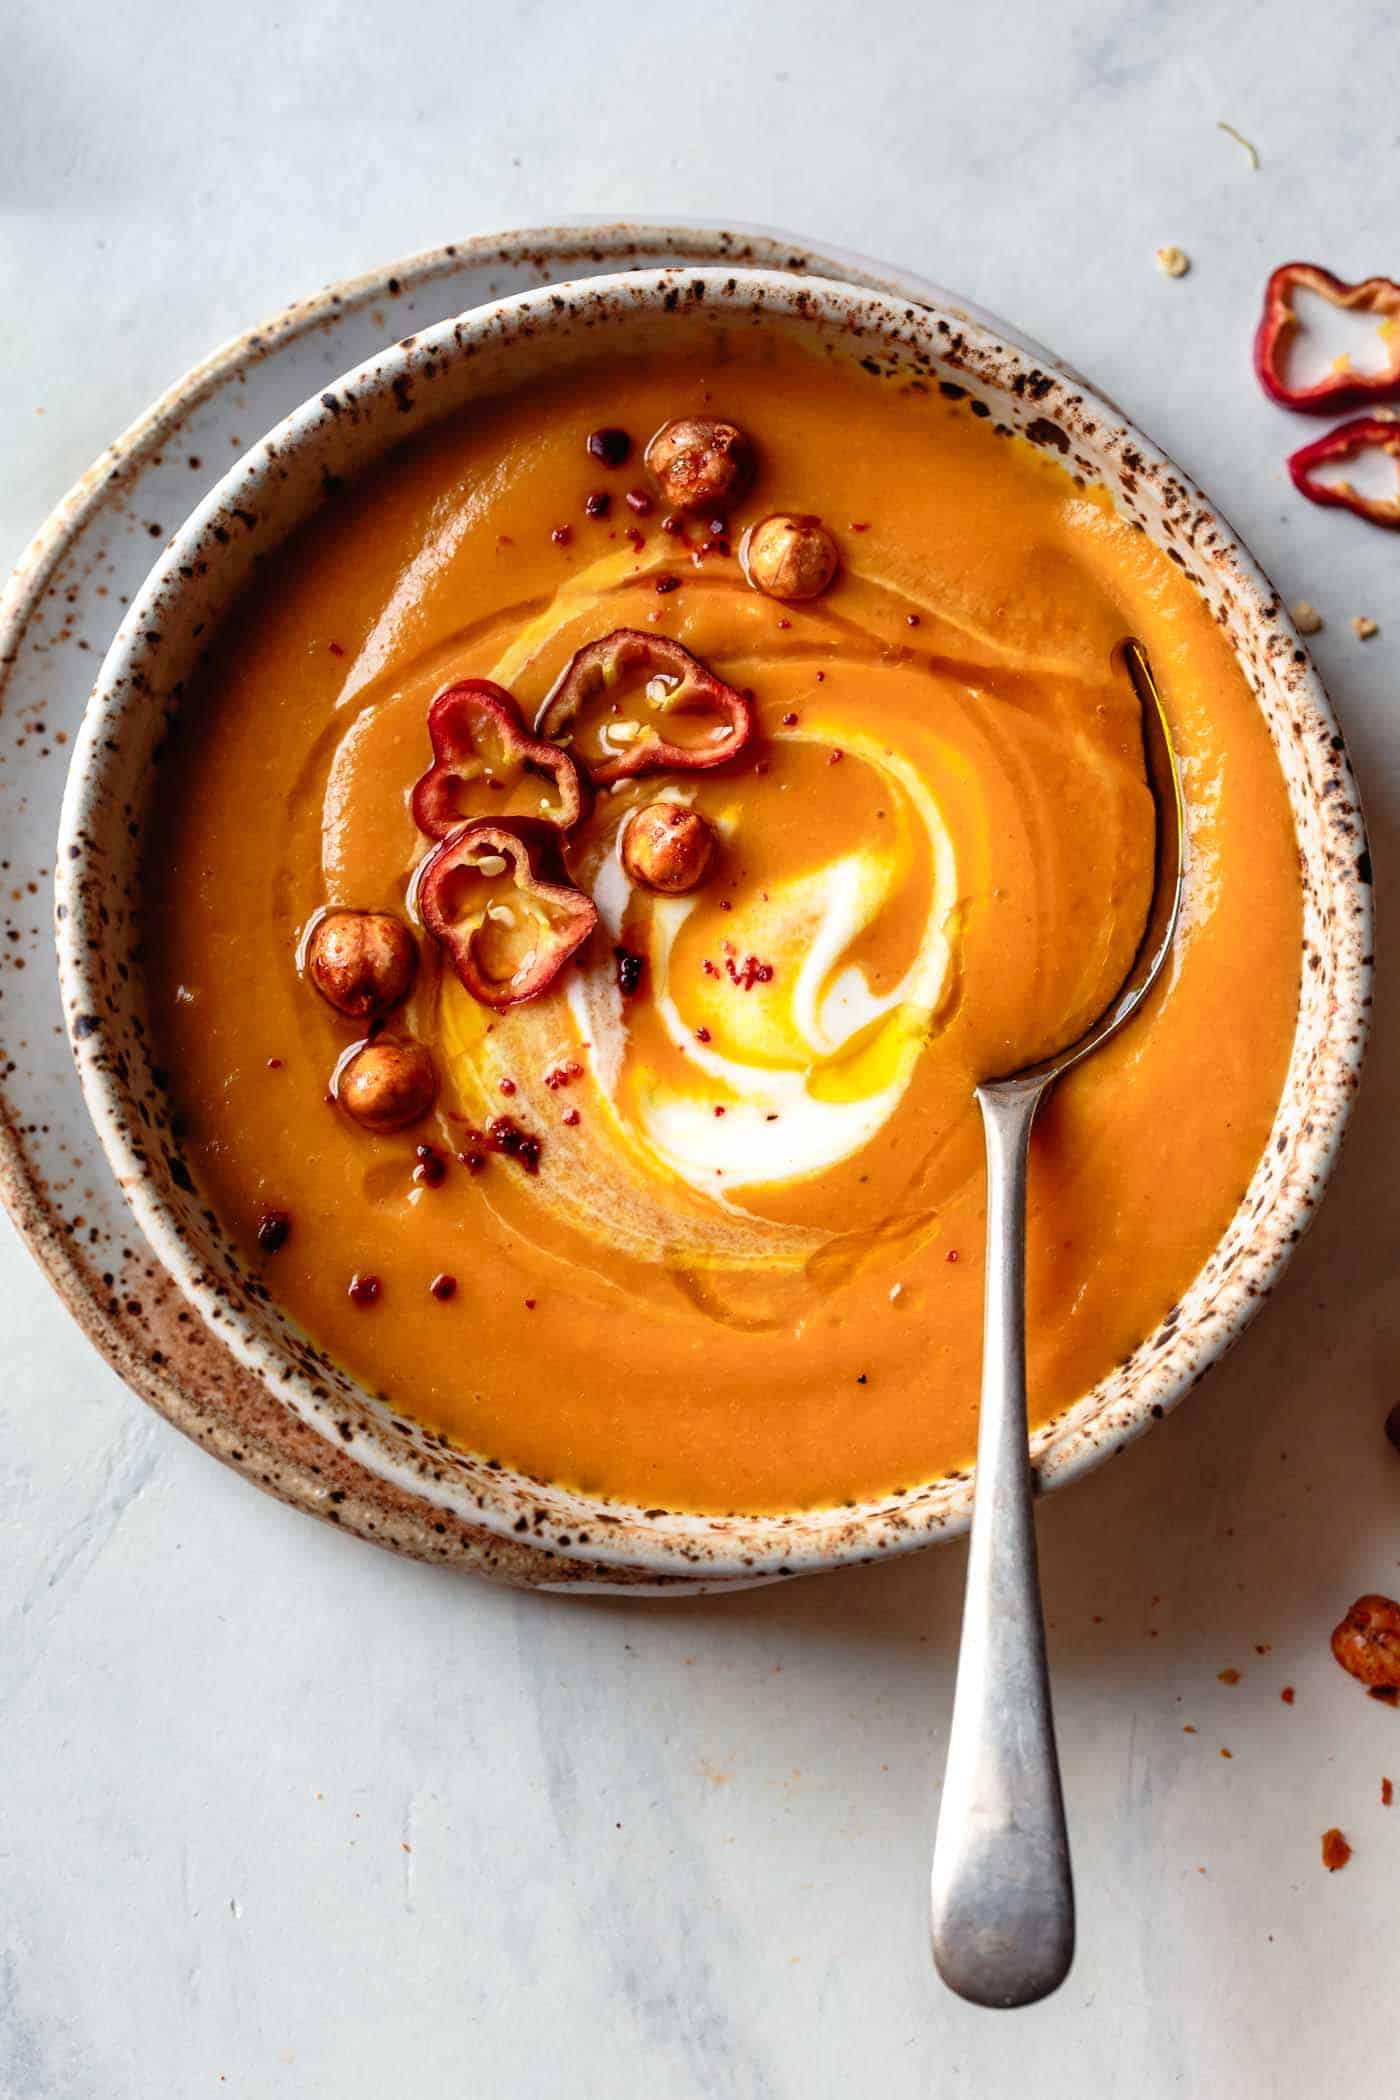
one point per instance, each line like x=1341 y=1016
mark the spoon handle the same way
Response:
x=1003 y=1899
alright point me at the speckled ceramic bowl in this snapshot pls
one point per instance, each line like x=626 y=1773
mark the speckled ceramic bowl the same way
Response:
x=354 y=421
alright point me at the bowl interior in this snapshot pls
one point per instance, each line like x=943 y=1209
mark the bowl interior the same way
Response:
x=148 y=672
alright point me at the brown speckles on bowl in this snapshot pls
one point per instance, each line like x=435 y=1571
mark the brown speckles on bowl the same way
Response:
x=296 y=1423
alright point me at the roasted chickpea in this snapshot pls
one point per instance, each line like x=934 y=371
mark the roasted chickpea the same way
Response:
x=387 y=1085
x=668 y=847
x=363 y=962
x=1368 y=1641
x=791 y=557
x=700 y=464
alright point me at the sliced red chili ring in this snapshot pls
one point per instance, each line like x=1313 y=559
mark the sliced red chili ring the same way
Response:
x=1344 y=386
x=622 y=701
x=487 y=765
x=1365 y=437
x=507 y=929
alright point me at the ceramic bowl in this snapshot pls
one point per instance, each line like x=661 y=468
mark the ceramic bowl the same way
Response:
x=353 y=422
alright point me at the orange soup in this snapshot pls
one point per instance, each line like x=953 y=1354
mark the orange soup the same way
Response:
x=610 y=844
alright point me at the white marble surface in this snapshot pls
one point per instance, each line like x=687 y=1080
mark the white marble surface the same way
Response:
x=281 y=1815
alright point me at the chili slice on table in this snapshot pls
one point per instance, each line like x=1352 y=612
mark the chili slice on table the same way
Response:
x=507 y=929
x=1343 y=386
x=1365 y=437
x=641 y=703
x=487 y=765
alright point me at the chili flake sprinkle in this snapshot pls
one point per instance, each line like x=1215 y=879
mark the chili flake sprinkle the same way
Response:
x=443 y=1287
x=364 y=1290
x=1335 y=1850
x=749 y=973
x=508 y=1138
x=274 y=1230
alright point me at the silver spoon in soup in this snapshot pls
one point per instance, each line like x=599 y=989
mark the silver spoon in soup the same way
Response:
x=1003 y=1893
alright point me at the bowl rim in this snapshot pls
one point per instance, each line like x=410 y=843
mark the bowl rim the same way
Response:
x=697 y=1544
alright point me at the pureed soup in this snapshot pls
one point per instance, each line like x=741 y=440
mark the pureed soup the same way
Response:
x=610 y=844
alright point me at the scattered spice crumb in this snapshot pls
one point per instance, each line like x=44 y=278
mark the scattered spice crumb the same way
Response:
x=1306 y=618
x=1173 y=261
x=1263 y=1647
x=952 y=1254
x=1364 y=628
x=1335 y=1850
x=1387 y=1793
x=1188 y=1729
x=1226 y=1753
x=1288 y=1695
x=1240 y=140
x=530 y=1304
x=1228 y=1676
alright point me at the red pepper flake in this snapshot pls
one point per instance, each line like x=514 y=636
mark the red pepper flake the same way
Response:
x=1288 y=1695
x=639 y=501
x=1387 y=1793
x=364 y=1290
x=507 y=1086
x=789 y=720
x=598 y=504
x=861 y=1378
x=274 y=1230
x=335 y=648
x=784 y=623
x=274 y=1064
x=719 y=1110
x=1228 y=1676
x=702 y=1035
x=1335 y=1850
x=443 y=1287
x=611 y=447
x=1188 y=1728
x=821 y=678
x=1263 y=1647
x=865 y=527
x=749 y=973
x=431 y=1170
x=952 y=1254
x=673 y=524
x=725 y=905
x=630 y=969
x=562 y=1075
x=638 y=539
x=572 y=1117
x=667 y=583
x=911 y=619
x=506 y=1136
x=835 y=758
x=710 y=969
x=530 y=1304
x=562 y=534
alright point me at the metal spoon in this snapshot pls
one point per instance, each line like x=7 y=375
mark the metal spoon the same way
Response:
x=1003 y=1896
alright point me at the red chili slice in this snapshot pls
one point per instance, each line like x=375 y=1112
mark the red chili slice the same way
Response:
x=1364 y=437
x=487 y=765
x=508 y=931
x=619 y=696
x=1342 y=387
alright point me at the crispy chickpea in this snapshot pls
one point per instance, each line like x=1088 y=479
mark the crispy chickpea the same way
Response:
x=791 y=557
x=1368 y=1641
x=668 y=847
x=387 y=1085
x=699 y=464
x=363 y=962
